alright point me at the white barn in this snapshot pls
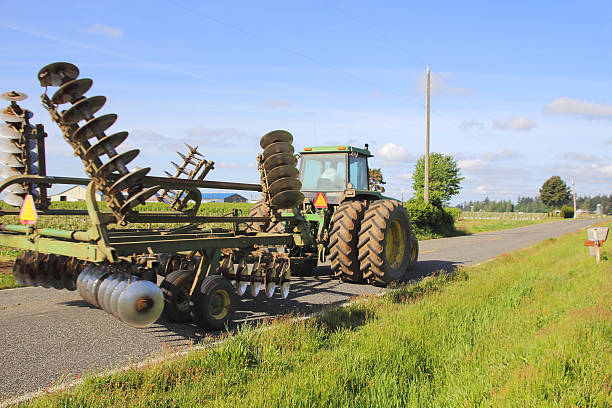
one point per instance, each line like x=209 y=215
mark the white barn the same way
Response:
x=76 y=193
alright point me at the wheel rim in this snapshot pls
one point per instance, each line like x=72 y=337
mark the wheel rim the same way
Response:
x=219 y=304
x=395 y=246
x=413 y=252
x=182 y=299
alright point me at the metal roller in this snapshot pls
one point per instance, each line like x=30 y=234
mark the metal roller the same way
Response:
x=57 y=74
x=140 y=303
x=72 y=91
x=274 y=137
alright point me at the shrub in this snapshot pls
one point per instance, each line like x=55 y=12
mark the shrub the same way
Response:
x=567 y=212
x=454 y=212
x=428 y=216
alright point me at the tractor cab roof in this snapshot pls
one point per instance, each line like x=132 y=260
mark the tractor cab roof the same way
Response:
x=336 y=149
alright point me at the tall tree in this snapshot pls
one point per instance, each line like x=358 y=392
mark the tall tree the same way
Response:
x=444 y=177
x=555 y=192
x=376 y=180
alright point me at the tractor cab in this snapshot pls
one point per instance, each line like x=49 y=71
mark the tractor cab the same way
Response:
x=336 y=171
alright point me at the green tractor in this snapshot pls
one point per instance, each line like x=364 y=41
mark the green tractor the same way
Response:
x=366 y=236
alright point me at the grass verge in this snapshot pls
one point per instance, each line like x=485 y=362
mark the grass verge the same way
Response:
x=531 y=328
x=474 y=226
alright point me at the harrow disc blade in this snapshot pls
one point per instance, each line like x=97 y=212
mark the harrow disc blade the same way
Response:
x=12 y=199
x=270 y=288
x=94 y=283
x=14 y=96
x=114 y=297
x=6 y=172
x=278 y=147
x=140 y=304
x=81 y=280
x=255 y=288
x=15 y=188
x=139 y=198
x=282 y=172
x=129 y=180
x=241 y=287
x=31 y=269
x=83 y=109
x=106 y=283
x=284 y=184
x=94 y=127
x=56 y=269
x=9 y=132
x=10 y=117
x=71 y=91
x=284 y=289
x=99 y=148
x=19 y=269
x=57 y=74
x=287 y=199
x=279 y=159
x=71 y=270
x=105 y=297
x=10 y=160
x=116 y=162
x=7 y=146
x=274 y=137
x=42 y=275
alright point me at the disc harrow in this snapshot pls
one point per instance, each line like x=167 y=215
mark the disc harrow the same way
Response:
x=18 y=148
x=122 y=189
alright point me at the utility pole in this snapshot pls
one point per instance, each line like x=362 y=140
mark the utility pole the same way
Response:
x=426 y=186
x=574 y=192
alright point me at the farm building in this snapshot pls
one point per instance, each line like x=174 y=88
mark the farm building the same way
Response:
x=223 y=198
x=76 y=193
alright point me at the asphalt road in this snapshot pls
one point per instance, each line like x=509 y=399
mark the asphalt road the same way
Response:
x=50 y=335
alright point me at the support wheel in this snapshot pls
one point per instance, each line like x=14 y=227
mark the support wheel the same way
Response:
x=385 y=242
x=343 y=240
x=176 y=287
x=213 y=305
x=414 y=251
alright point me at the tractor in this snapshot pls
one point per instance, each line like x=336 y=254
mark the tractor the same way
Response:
x=324 y=211
x=366 y=236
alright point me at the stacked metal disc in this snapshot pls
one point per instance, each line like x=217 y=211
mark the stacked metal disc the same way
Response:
x=122 y=188
x=47 y=270
x=279 y=174
x=263 y=272
x=138 y=303
x=17 y=154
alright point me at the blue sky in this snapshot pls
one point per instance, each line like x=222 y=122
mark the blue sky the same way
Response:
x=521 y=91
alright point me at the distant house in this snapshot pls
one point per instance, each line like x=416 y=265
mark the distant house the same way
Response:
x=223 y=198
x=76 y=193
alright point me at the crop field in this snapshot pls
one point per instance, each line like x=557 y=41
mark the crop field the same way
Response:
x=530 y=328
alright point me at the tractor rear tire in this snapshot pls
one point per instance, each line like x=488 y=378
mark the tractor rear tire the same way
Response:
x=176 y=287
x=414 y=251
x=343 y=240
x=260 y=209
x=213 y=304
x=385 y=242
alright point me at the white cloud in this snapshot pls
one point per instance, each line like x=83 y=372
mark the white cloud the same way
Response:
x=468 y=125
x=439 y=84
x=503 y=155
x=580 y=157
x=276 y=103
x=472 y=164
x=106 y=31
x=392 y=152
x=514 y=124
x=482 y=189
x=227 y=165
x=219 y=137
x=404 y=176
x=569 y=106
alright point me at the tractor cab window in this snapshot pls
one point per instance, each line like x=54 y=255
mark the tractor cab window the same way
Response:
x=323 y=172
x=358 y=172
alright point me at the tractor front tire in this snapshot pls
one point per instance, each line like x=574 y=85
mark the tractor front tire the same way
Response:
x=343 y=240
x=213 y=304
x=385 y=242
x=260 y=209
x=414 y=251
x=175 y=287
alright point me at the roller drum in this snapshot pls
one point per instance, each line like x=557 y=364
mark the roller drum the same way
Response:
x=140 y=304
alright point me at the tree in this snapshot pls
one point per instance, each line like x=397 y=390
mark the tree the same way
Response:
x=444 y=177
x=555 y=192
x=376 y=180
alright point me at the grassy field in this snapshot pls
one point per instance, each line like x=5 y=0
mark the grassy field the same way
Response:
x=474 y=226
x=529 y=329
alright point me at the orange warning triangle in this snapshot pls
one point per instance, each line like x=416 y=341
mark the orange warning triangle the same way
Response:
x=28 y=214
x=320 y=201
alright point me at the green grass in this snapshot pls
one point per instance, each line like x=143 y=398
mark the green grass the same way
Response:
x=7 y=282
x=529 y=329
x=474 y=226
